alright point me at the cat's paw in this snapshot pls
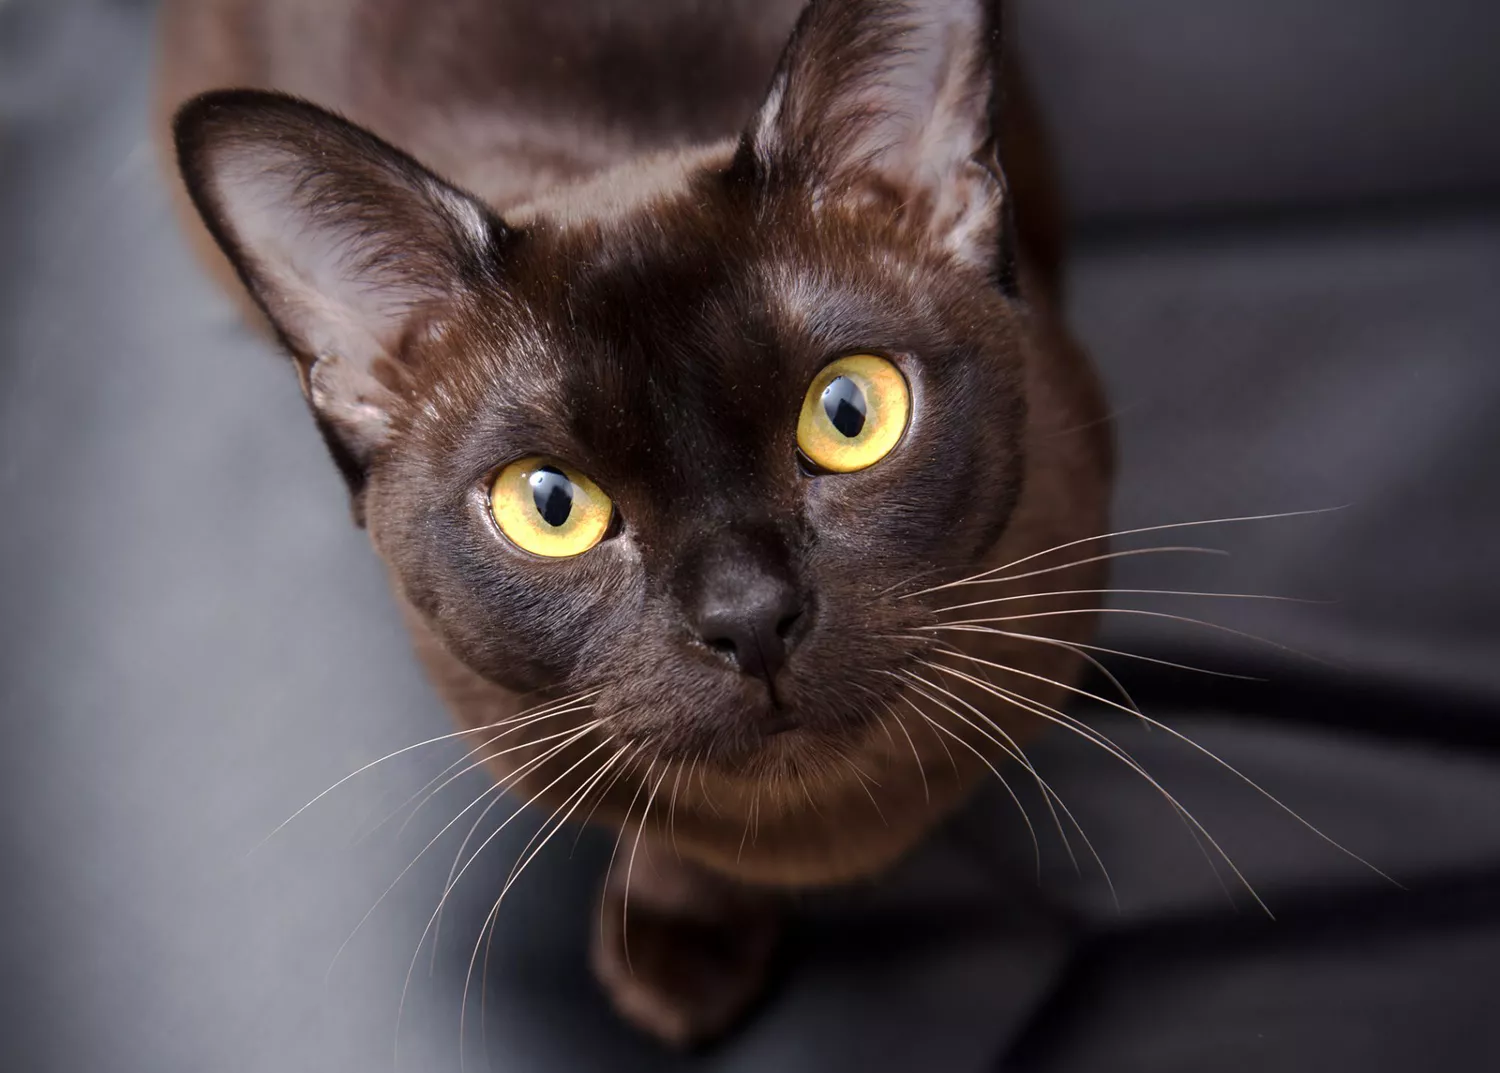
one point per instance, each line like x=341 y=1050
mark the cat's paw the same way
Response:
x=688 y=956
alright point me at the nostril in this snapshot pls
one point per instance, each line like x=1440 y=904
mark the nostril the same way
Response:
x=722 y=645
x=788 y=623
x=726 y=635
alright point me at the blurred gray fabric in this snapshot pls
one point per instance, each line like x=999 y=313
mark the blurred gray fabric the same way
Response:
x=1288 y=273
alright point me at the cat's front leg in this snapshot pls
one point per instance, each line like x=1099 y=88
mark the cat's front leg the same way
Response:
x=682 y=953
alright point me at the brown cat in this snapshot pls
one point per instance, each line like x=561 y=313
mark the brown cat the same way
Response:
x=671 y=384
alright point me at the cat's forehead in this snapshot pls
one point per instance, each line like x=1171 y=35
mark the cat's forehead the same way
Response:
x=674 y=333
x=620 y=193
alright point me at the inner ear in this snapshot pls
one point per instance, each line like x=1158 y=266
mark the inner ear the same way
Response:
x=888 y=103
x=351 y=247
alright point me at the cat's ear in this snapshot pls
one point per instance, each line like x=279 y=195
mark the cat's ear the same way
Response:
x=893 y=104
x=349 y=246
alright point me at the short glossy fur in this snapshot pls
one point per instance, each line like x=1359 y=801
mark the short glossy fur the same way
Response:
x=658 y=255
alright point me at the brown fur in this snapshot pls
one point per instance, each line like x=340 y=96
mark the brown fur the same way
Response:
x=599 y=133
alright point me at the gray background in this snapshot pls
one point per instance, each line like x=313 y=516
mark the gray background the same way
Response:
x=1289 y=272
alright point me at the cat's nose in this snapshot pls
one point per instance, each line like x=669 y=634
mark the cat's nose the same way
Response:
x=753 y=627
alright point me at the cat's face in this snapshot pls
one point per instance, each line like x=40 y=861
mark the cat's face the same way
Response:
x=739 y=588
x=692 y=449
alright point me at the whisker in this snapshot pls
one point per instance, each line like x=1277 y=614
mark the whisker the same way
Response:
x=570 y=803
x=1134 y=532
x=1049 y=795
x=1114 y=749
x=1079 y=651
x=497 y=789
x=630 y=869
x=672 y=812
x=1036 y=844
x=1049 y=792
x=492 y=918
x=921 y=768
x=509 y=781
x=807 y=794
x=936 y=736
x=985 y=579
x=703 y=788
x=860 y=777
x=449 y=888
x=1108 y=651
x=1205 y=751
x=1134 y=611
x=439 y=783
x=745 y=833
x=603 y=794
x=624 y=823
x=381 y=760
x=1014 y=750
x=906 y=581
x=873 y=713
x=1119 y=592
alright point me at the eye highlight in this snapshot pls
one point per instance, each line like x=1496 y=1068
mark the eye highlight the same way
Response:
x=854 y=413
x=548 y=508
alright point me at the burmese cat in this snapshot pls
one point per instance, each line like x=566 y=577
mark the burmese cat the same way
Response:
x=671 y=380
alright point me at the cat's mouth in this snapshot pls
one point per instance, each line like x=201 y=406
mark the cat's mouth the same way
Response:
x=778 y=721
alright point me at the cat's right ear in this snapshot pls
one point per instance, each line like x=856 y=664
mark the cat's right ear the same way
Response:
x=349 y=246
x=891 y=106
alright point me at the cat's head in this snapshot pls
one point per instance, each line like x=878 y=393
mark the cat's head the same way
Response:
x=687 y=433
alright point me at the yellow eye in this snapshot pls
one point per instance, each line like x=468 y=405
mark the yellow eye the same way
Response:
x=549 y=509
x=855 y=411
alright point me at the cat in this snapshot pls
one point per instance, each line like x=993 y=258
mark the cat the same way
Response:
x=699 y=374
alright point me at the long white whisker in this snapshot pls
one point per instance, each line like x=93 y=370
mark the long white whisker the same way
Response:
x=986 y=579
x=990 y=601
x=583 y=824
x=859 y=777
x=1112 y=748
x=571 y=803
x=620 y=834
x=1107 y=651
x=1077 y=650
x=449 y=888
x=1049 y=795
x=672 y=811
x=1036 y=845
x=496 y=789
x=373 y=763
x=1132 y=611
x=938 y=737
x=1109 y=675
x=447 y=776
x=1206 y=752
x=630 y=869
x=1014 y=750
x=921 y=768
x=510 y=780
x=492 y=918
x=1134 y=532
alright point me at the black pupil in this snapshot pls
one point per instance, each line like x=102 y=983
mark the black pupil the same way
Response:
x=844 y=403
x=552 y=493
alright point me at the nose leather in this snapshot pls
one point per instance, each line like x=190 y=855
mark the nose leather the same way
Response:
x=751 y=627
x=744 y=602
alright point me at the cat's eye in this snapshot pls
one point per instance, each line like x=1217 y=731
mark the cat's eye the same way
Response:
x=855 y=412
x=548 y=508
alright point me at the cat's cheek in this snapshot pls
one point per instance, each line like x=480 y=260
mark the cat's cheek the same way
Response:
x=519 y=622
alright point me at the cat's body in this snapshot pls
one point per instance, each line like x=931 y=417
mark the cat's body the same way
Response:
x=642 y=233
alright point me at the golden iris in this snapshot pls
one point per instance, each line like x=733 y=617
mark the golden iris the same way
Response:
x=548 y=508
x=855 y=412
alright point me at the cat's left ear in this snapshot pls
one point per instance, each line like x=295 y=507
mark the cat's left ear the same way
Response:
x=353 y=250
x=893 y=104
